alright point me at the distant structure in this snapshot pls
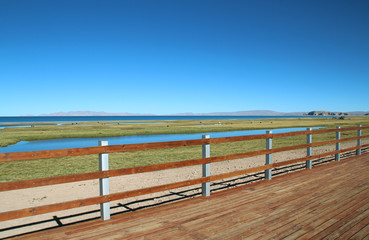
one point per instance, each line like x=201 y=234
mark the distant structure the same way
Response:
x=325 y=113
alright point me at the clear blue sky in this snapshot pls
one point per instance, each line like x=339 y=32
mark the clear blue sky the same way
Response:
x=166 y=57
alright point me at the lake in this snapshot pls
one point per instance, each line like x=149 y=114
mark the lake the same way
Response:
x=24 y=146
x=60 y=124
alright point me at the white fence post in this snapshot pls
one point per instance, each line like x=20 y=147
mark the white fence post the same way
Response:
x=309 y=139
x=358 y=151
x=205 y=167
x=104 y=182
x=338 y=145
x=268 y=157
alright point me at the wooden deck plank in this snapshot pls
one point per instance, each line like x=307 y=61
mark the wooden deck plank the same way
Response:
x=281 y=223
x=316 y=223
x=318 y=220
x=233 y=221
x=364 y=232
x=345 y=221
x=328 y=201
x=270 y=216
x=323 y=219
x=354 y=228
x=284 y=226
x=263 y=224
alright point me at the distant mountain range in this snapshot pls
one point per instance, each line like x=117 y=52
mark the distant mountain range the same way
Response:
x=92 y=113
x=244 y=113
x=238 y=113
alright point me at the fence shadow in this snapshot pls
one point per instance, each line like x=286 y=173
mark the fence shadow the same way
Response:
x=175 y=196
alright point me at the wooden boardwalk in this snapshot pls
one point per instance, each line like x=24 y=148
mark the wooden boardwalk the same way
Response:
x=330 y=201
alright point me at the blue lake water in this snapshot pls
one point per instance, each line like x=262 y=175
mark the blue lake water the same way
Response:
x=90 y=142
x=60 y=124
x=2 y=127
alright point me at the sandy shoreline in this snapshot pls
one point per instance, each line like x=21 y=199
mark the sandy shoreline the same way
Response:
x=25 y=198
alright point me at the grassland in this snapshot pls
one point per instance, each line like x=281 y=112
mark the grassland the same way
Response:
x=20 y=170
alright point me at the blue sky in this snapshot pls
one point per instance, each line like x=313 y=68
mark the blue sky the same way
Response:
x=166 y=57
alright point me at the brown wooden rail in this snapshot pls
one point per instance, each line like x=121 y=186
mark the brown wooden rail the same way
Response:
x=157 y=167
x=5 y=157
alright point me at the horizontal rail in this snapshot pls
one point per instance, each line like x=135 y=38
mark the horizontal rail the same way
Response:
x=32 y=155
x=157 y=167
x=122 y=195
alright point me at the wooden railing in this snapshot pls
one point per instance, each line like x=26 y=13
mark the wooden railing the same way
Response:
x=104 y=174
